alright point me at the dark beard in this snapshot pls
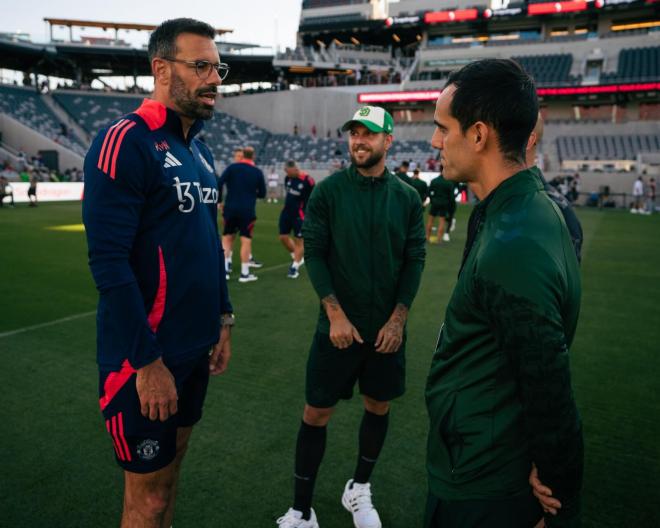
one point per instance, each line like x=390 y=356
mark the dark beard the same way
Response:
x=373 y=159
x=189 y=105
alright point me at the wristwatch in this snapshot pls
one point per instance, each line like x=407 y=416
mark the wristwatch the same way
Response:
x=227 y=319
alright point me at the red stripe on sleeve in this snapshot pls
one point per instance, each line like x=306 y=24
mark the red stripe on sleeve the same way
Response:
x=114 y=382
x=105 y=142
x=111 y=144
x=158 y=308
x=117 y=147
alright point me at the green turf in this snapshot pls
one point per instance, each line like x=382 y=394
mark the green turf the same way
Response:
x=58 y=467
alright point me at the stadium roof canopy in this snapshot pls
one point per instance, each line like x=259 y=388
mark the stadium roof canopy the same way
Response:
x=86 y=61
x=71 y=23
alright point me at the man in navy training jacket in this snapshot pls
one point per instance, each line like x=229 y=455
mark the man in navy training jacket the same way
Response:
x=164 y=316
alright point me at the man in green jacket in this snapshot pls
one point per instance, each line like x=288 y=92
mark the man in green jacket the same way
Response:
x=420 y=186
x=443 y=203
x=499 y=390
x=364 y=250
x=402 y=172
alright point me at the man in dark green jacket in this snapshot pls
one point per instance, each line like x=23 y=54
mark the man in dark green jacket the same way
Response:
x=402 y=172
x=420 y=186
x=364 y=250
x=443 y=203
x=499 y=391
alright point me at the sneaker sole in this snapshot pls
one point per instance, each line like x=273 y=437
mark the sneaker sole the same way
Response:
x=248 y=280
x=255 y=266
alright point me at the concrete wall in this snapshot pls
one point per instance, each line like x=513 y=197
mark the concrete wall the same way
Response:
x=17 y=135
x=278 y=112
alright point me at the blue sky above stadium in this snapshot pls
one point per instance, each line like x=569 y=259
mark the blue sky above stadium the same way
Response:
x=265 y=22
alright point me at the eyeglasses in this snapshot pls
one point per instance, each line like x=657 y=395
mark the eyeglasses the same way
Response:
x=204 y=69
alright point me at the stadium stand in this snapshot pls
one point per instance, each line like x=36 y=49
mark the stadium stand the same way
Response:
x=94 y=111
x=26 y=106
x=224 y=133
x=548 y=69
x=612 y=147
x=636 y=64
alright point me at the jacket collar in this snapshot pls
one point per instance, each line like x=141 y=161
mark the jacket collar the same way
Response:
x=362 y=181
x=156 y=115
x=523 y=182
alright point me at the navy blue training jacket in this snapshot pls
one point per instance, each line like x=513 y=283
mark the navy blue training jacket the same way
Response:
x=150 y=214
x=245 y=183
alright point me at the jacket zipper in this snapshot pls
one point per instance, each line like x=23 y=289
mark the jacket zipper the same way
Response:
x=371 y=251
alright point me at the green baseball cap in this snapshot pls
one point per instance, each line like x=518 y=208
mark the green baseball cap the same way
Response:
x=375 y=118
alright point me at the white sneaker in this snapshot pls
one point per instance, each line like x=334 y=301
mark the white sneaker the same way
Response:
x=357 y=500
x=247 y=278
x=293 y=519
x=445 y=237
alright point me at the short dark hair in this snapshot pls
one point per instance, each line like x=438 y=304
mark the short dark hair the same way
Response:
x=162 y=42
x=501 y=94
x=404 y=163
x=248 y=152
x=290 y=164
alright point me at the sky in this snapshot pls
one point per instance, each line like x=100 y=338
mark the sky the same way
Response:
x=266 y=22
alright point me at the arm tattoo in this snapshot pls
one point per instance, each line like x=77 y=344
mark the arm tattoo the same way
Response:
x=330 y=303
x=399 y=315
x=394 y=326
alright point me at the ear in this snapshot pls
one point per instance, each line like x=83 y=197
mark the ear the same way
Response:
x=160 y=69
x=389 y=138
x=479 y=136
x=531 y=142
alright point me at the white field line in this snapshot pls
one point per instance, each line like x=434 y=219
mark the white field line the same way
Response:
x=87 y=314
x=44 y=325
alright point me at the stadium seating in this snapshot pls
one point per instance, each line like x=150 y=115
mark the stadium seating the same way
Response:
x=636 y=64
x=547 y=69
x=224 y=133
x=92 y=112
x=25 y=105
x=614 y=147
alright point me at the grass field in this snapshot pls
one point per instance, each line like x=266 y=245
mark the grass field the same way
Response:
x=58 y=467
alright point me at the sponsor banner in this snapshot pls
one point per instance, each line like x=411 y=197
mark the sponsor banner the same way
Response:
x=397 y=97
x=403 y=21
x=509 y=11
x=48 y=192
x=613 y=88
x=432 y=95
x=458 y=15
x=548 y=8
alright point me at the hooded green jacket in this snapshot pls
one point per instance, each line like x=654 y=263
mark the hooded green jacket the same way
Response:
x=364 y=243
x=499 y=391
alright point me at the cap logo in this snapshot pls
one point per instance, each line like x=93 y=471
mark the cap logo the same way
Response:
x=365 y=111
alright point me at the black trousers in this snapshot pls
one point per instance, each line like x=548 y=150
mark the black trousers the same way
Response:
x=511 y=512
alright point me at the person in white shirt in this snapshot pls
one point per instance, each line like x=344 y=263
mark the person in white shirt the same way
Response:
x=273 y=186
x=638 y=196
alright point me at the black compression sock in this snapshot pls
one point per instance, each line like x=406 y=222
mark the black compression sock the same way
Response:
x=372 y=437
x=309 y=453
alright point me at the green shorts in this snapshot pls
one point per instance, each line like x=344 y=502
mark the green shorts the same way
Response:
x=332 y=372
